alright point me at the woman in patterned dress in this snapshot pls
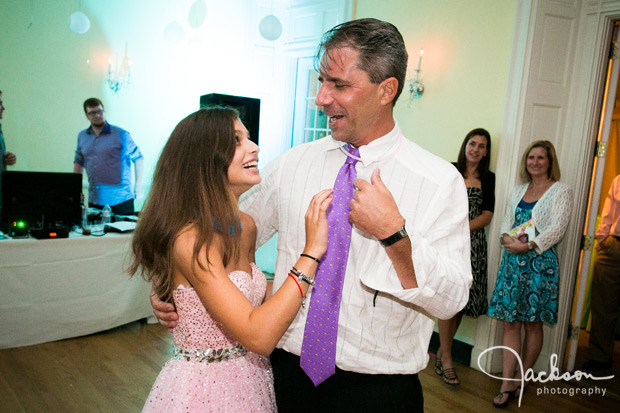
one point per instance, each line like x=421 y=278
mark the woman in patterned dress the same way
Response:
x=526 y=289
x=473 y=163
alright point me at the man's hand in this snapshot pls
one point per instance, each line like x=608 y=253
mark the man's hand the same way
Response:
x=373 y=209
x=138 y=194
x=165 y=312
x=598 y=242
x=10 y=158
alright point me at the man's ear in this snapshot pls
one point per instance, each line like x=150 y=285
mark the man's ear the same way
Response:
x=387 y=90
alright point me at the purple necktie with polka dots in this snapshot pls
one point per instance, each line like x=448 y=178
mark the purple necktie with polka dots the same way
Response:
x=318 y=351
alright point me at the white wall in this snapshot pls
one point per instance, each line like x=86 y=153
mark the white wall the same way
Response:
x=45 y=76
x=47 y=71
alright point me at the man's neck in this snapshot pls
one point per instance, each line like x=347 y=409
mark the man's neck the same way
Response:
x=97 y=129
x=383 y=126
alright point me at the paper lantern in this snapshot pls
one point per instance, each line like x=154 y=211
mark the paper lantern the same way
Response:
x=79 y=22
x=270 y=27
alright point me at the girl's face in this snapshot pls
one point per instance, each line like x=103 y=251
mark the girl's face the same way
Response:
x=243 y=170
x=537 y=162
x=476 y=149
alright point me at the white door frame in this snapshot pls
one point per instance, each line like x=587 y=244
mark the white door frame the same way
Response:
x=594 y=200
x=580 y=127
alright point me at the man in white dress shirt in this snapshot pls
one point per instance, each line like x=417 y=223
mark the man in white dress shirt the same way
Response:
x=409 y=255
x=605 y=290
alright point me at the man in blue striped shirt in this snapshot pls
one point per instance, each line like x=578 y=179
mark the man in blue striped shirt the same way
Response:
x=106 y=152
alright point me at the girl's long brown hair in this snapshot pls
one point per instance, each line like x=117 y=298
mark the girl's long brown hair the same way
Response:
x=190 y=187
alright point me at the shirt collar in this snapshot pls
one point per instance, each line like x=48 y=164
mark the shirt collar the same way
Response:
x=106 y=129
x=377 y=149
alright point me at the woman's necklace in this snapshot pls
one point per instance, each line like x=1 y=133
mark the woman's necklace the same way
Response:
x=541 y=188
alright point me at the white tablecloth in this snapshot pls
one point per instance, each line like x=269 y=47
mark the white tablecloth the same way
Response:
x=61 y=288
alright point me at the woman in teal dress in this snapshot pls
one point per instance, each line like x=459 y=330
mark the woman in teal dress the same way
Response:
x=526 y=289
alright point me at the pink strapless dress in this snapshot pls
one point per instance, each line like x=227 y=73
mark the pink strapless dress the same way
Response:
x=205 y=381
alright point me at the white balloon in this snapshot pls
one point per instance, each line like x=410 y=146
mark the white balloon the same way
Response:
x=79 y=22
x=174 y=33
x=197 y=14
x=195 y=43
x=270 y=27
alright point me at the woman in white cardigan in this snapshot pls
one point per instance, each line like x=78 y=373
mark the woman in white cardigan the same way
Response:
x=526 y=289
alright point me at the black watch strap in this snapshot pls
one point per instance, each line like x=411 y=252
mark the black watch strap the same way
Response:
x=400 y=234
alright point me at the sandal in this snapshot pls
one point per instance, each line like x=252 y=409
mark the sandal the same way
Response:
x=438 y=366
x=520 y=391
x=501 y=395
x=449 y=377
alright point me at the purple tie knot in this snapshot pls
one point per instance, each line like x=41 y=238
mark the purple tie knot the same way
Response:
x=353 y=151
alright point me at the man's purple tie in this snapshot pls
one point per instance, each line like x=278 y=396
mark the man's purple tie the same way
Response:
x=318 y=351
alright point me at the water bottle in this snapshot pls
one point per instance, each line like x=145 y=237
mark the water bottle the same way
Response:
x=106 y=215
x=84 y=216
x=85 y=227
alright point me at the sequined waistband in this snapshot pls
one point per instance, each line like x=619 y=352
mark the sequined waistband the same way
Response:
x=209 y=355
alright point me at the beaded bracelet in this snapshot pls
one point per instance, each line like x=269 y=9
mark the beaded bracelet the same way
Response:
x=303 y=297
x=311 y=257
x=302 y=277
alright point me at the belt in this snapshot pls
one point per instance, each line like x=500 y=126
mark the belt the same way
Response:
x=209 y=355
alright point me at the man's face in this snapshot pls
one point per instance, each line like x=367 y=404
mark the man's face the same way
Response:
x=1 y=106
x=348 y=98
x=96 y=115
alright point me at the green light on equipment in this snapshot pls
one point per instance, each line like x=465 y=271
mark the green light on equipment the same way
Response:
x=19 y=229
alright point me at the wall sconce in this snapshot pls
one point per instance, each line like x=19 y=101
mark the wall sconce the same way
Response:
x=416 y=88
x=119 y=79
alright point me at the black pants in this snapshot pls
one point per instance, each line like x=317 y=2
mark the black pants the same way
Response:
x=605 y=302
x=345 y=391
x=124 y=208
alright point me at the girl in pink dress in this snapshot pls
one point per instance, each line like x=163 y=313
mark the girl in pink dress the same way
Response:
x=197 y=248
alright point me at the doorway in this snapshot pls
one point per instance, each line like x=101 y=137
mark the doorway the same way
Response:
x=606 y=166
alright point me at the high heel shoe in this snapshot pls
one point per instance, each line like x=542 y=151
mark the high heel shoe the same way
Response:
x=449 y=377
x=501 y=395
x=438 y=366
x=520 y=390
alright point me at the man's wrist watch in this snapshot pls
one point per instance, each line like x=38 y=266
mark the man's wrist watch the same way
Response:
x=400 y=234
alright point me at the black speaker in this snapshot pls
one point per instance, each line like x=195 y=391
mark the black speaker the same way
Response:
x=249 y=109
x=42 y=200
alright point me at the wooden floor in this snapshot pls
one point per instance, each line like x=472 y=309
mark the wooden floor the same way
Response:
x=113 y=372
x=613 y=385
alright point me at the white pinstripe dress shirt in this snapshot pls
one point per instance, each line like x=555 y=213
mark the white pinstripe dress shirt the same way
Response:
x=386 y=332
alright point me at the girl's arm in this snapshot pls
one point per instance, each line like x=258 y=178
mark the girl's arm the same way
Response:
x=257 y=329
